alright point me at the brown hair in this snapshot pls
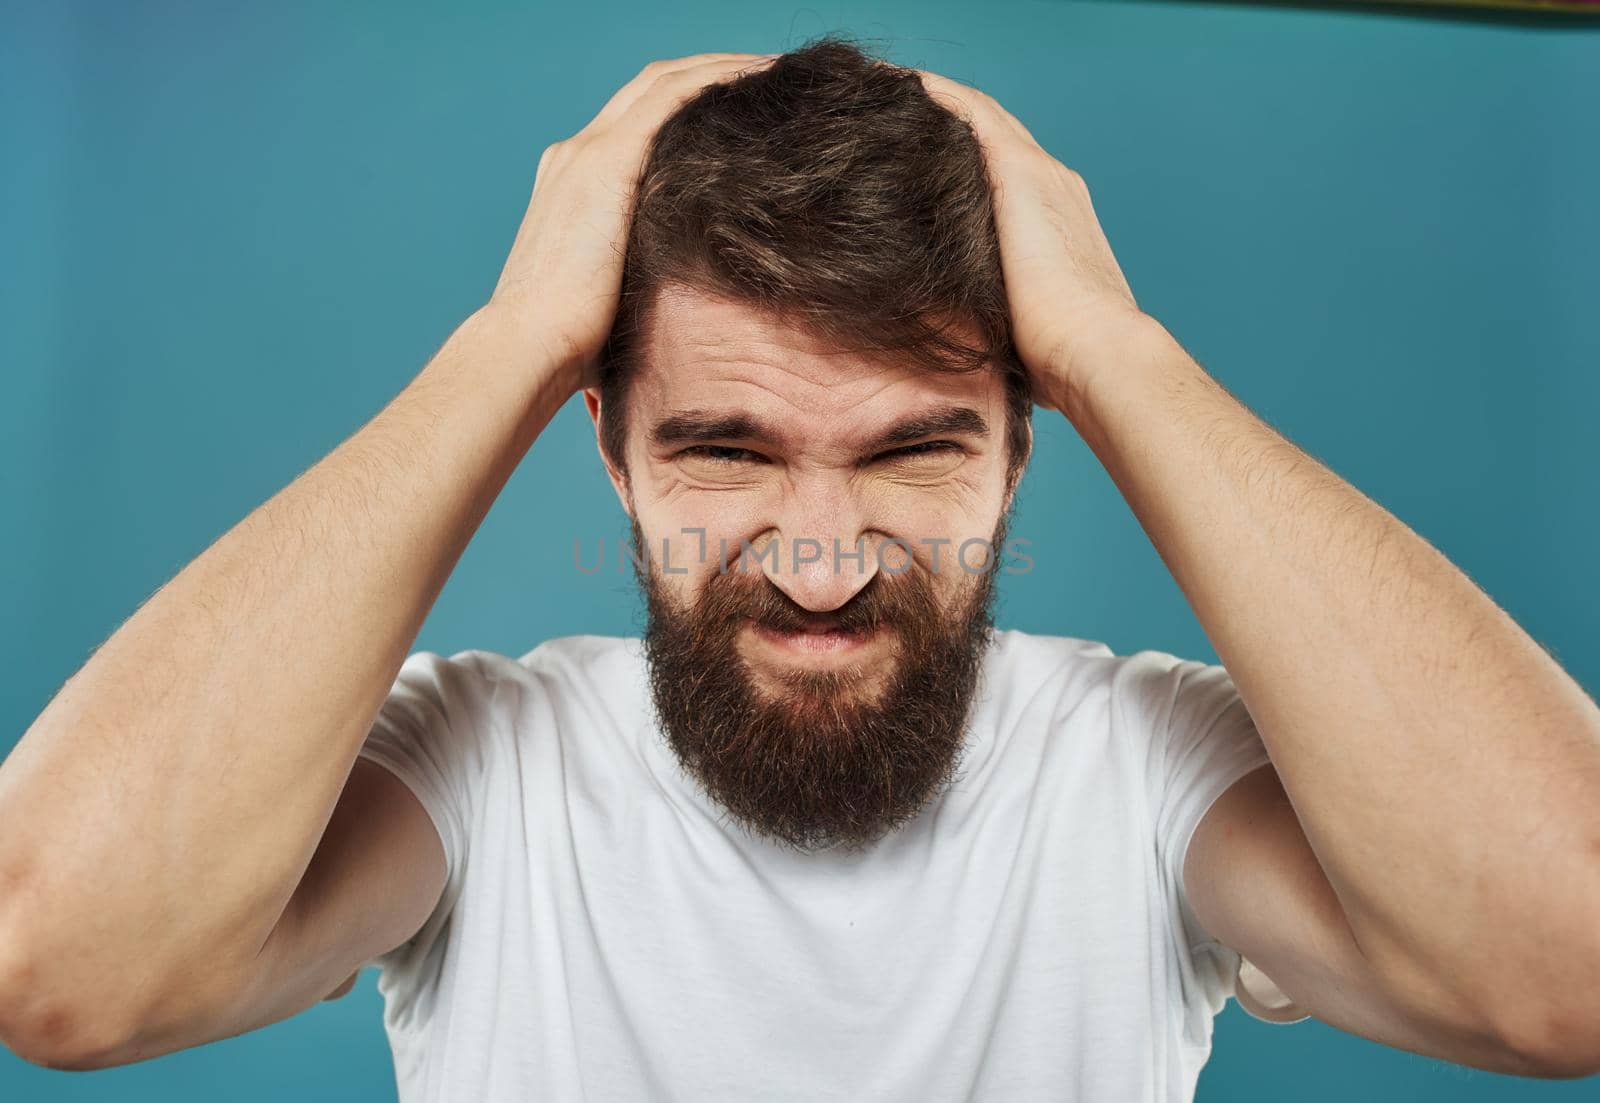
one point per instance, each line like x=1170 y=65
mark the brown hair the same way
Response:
x=831 y=191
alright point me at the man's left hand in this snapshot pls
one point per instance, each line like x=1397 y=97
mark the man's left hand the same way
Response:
x=1069 y=300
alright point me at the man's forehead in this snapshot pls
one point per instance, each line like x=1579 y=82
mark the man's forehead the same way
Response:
x=706 y=356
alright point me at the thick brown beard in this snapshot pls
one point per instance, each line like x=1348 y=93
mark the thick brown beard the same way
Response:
x=825 y=765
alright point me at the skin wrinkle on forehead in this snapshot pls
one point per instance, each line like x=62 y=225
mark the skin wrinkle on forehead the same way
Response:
x=714 y=334
x=843 y=409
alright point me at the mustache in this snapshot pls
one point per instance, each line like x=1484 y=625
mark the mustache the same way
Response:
x=885 y=601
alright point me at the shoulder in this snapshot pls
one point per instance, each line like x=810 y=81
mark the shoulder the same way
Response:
x=609 y=671
x=1033 y=647
x=588 y=682
x=1138 y=696
x=1034 y=688
x=587 y=657
x=1148 y=678
x=1028 y=661
x=486 y=704
x=562 y=658
x=478 y=685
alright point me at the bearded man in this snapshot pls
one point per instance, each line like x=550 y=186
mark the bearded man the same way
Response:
x=823 y=832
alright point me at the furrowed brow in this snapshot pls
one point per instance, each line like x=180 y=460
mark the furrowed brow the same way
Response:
x=695 y=425
x=961 y=420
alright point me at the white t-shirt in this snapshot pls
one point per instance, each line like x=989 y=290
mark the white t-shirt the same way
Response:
x=606 y=934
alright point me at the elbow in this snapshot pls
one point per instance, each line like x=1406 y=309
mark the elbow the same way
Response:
x=1557 y=1041
x=1549 y=1023
x=1552 y=1028
x=63 y=1040
x=44 y=1025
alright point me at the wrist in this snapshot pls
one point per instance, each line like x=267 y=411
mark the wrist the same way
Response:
x=550 y=361
x=491 y=357
x=1102 y=358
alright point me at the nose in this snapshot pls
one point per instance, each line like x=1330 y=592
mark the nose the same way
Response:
x=818 y=552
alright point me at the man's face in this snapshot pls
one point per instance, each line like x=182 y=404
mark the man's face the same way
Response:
x=821 y=531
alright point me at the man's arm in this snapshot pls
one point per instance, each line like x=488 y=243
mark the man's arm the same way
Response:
x=159 y=820
x=1444 y=770
x=1429 y=872
x=160 y=812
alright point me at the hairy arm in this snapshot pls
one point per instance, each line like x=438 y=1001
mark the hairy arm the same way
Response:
x=1443 y=768
x=157 y=817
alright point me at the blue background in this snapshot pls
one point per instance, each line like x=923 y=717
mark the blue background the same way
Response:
x=231 y=233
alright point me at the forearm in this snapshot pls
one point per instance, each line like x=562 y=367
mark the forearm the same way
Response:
x=1444 y=768
x=159 y=813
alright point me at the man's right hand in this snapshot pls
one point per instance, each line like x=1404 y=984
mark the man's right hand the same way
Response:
x=561 y=284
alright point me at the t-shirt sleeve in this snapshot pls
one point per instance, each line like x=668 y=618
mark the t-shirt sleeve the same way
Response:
x=1203 y=740
x=431 y=734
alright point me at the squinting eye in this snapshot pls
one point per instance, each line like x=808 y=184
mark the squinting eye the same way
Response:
x=718 y=453
x=926 y=448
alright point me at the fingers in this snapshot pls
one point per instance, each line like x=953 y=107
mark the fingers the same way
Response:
x=988 y=119
x=704 y=68
x=624 y=97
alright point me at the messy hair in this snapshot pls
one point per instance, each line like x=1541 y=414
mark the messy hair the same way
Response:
x=830 y=191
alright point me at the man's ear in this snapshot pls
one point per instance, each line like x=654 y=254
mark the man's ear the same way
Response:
x=619 y=481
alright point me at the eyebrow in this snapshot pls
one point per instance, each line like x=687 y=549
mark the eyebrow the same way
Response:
x=696 y=425
x=956 y=420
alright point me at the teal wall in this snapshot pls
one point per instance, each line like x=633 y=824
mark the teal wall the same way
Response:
x=228 y=234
